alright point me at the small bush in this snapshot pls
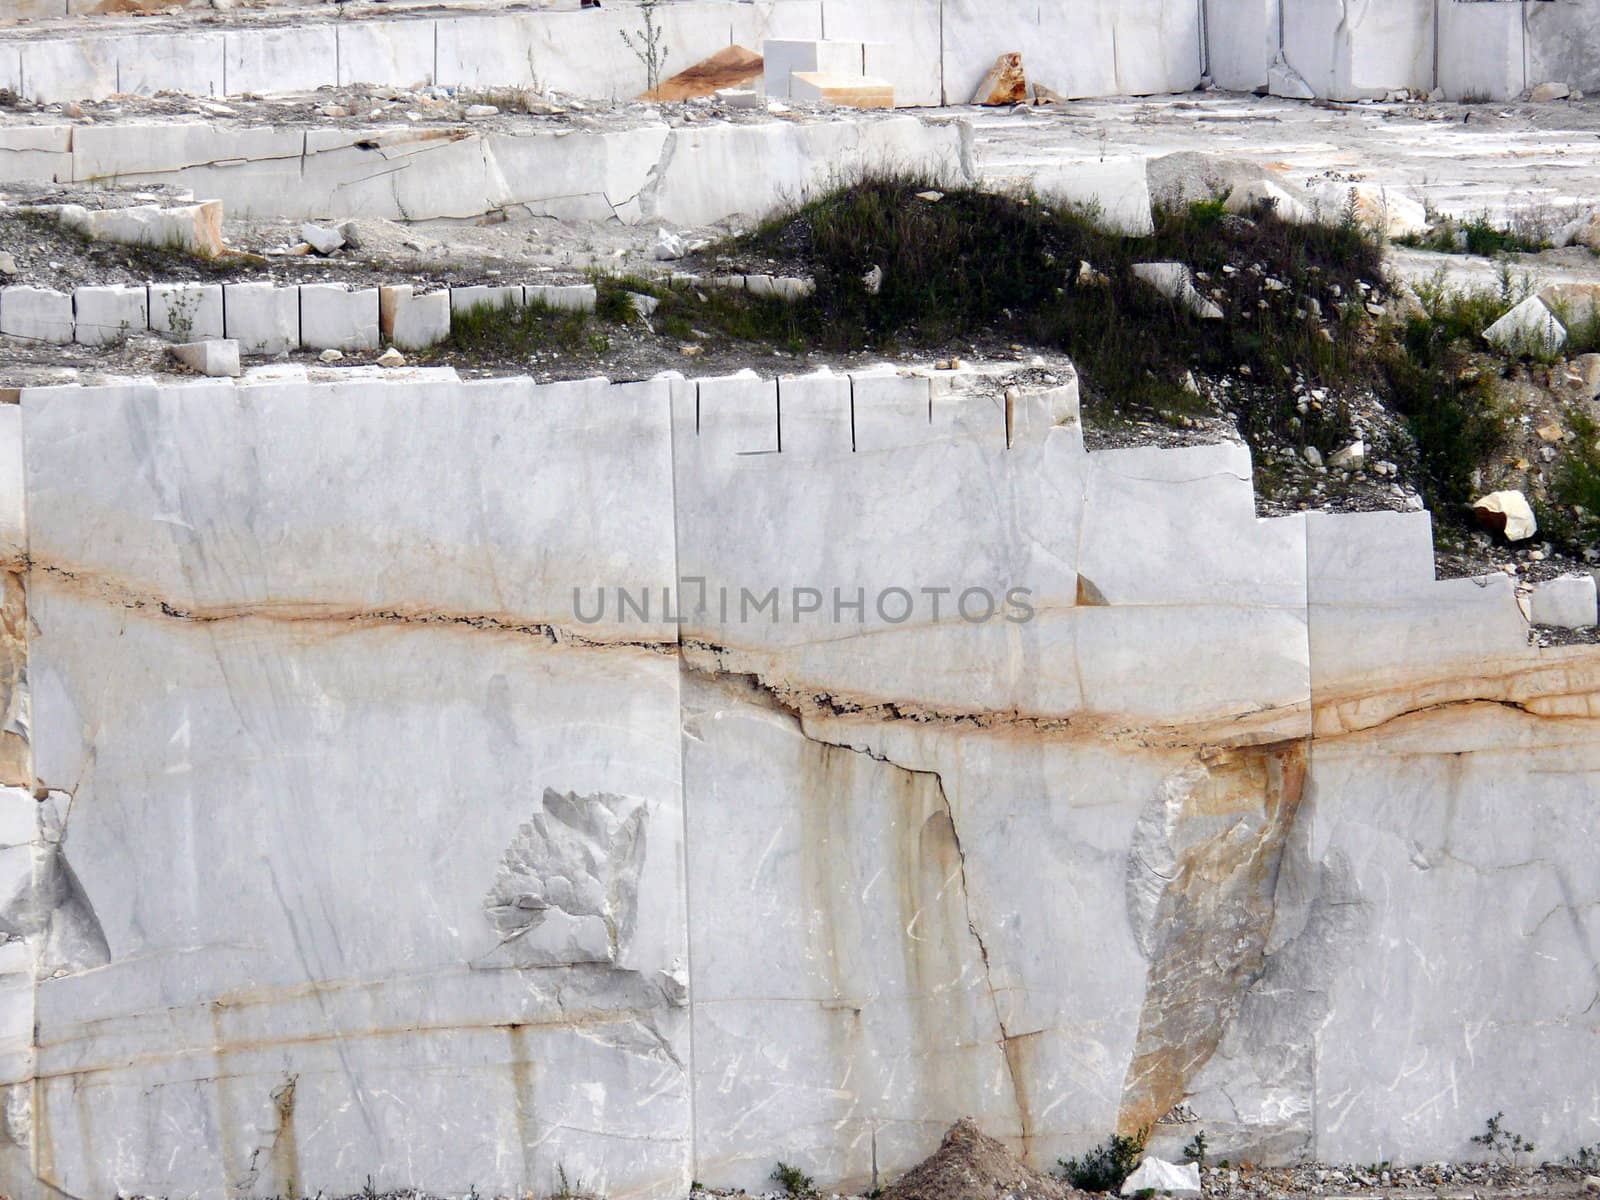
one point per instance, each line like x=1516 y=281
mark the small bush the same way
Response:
x=1573 y=517
x=1505 y=1145
x=1195 y=1151
x=1107 y=1167
x=793 y=1180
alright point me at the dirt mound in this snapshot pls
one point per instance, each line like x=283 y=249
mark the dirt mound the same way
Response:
x=970 y=1165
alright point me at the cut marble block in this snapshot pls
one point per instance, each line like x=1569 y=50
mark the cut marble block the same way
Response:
x=262 y=317
x=39 y=314
x=901 y=42
x=465 y=299
x=783 y=58
x=410 y=321
x=574 y=297
x=333 y=317
x=188 y=311
x=850 y=91
x=104 y=316
x=1568 y=602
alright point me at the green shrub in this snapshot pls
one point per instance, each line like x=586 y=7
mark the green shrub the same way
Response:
x=793 y=1180
x=1107 y=1167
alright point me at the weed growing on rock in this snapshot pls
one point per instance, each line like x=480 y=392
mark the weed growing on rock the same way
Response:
x=1195 y=1151
x=1505 y=1145
x=793 y=1180
x=646 y=44
x=1107 y=1167
x=570 y=1188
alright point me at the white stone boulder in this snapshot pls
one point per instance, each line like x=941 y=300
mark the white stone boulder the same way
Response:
x=1375 y=208
x=262 y=317
x=1507 y=512
x=1529 y=328
x=217 y=357
x=103 y=316
x=1284 y=80
x=1543 y=93
x=1568 y=602
x=1245 y=199
x=1172 y=280
x=1350 y=458
x=410 y=321
x=188 y=311
x=1164 y=1178
x=334 y=318
x=41 y=314
x=191 y=228
x=321 y=239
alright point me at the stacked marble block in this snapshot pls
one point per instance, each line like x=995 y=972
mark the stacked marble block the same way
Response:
x=263 y=317
x=826 y=72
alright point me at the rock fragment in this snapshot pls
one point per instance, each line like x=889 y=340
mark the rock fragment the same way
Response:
x=1006 y=82
x=216 y=357
x=1172 y=279
x=1506 y=512
x=1164 y=1178
x=324 y=241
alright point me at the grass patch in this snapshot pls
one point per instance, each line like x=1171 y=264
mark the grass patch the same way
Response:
x=518 y=330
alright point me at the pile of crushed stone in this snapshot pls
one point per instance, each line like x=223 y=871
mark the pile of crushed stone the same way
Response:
x=970 y=1165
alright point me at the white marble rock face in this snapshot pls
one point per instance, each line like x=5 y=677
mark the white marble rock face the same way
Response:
x=335 y=759
x=337 y=839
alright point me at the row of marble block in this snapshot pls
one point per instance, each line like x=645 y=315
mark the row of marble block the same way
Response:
x=264 y=318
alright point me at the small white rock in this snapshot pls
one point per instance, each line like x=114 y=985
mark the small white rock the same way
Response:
x=391 y=358
x=320 y=239
x=216 y=357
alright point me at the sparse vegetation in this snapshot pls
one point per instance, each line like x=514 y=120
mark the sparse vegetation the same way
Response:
x=1505 y=1145
x=1480 y=235
x=646 y=44
x=1195 y=1151
x=1107 y=1167
x=1572 y=518
x=571 y=1188
x=793 y=1180
x=515 y=331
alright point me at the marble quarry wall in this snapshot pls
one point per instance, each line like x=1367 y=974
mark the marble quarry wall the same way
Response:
x=684 y=175
x=932 y=51
x=355 y=824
